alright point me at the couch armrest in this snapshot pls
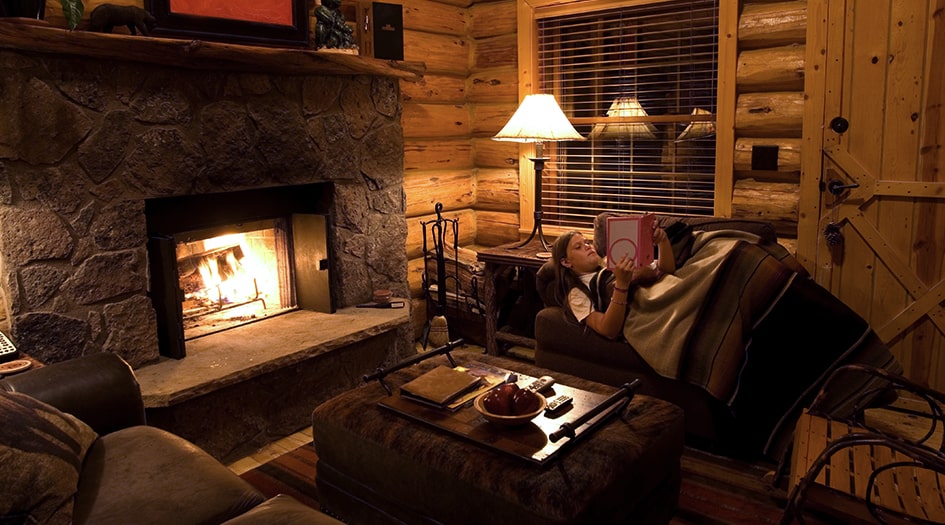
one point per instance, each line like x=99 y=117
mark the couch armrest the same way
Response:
x=100 y=389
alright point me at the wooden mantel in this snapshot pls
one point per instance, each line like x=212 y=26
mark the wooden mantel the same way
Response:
x=26 y=35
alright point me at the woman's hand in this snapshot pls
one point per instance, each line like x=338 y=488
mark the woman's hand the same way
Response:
x=659 y=235
x=623 y=271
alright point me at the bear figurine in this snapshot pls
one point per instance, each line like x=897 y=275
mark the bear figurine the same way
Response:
x=106 y=16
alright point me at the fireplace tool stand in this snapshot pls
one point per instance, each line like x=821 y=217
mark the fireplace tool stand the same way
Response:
x=436 y=330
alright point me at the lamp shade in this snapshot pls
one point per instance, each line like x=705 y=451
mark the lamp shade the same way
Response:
x=624 y=107
x=697 y=130
x=538 y=119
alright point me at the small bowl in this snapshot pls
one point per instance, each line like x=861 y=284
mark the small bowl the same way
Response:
x=382 y=296
x=509 y=421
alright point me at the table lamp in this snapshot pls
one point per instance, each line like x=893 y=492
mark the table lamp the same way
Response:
x=538 y=119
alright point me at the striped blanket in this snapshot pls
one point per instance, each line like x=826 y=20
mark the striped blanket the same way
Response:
x=694 y=325
x=743 y=320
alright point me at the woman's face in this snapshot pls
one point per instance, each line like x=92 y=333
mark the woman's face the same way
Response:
x=581 y=256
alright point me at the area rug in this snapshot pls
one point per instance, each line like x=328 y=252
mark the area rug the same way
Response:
x=714 y=491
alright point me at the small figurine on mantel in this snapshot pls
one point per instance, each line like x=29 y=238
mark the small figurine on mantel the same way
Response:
x=331 y=29
x=106 y=16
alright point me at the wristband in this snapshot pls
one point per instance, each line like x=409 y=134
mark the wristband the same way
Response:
x=614 y=301
x=624 y=290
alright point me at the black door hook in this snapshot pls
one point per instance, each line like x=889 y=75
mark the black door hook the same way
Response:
x=837 y=187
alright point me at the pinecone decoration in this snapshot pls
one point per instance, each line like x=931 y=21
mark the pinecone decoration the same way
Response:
x=833 y=235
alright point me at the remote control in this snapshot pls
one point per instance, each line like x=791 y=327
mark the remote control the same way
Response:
x=7 y=350
x=558 y=403
x=541 y=384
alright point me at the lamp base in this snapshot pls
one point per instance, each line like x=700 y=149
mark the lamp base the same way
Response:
x=536 y=230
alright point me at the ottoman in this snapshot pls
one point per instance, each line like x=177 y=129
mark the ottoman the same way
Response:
x=376 y=466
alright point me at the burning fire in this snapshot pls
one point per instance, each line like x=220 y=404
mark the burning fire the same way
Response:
x=229 y=279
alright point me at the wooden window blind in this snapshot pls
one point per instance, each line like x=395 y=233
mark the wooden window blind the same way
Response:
x=640 y=82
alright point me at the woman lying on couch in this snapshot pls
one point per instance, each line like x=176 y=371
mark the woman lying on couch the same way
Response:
x=738 y=335
x=581 y=281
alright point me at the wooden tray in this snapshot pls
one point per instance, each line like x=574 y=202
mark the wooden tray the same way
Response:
x=531 y=441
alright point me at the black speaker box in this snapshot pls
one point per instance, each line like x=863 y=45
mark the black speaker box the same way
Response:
x=388 y=30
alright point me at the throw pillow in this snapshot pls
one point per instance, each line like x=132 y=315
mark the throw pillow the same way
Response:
x=41 y=454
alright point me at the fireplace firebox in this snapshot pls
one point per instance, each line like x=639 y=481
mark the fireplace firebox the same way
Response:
x=222 y=260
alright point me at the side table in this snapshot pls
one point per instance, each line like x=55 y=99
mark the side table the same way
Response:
x=499 y=261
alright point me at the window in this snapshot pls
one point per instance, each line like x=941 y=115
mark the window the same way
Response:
x=640 y=82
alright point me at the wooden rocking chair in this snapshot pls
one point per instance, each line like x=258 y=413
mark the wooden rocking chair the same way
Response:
x=861 y=472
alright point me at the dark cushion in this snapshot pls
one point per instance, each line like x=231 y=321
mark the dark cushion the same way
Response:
x=145 y=472
x=41 y=453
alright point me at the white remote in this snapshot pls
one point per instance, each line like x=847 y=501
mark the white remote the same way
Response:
x=7 y=350
x=541 y=384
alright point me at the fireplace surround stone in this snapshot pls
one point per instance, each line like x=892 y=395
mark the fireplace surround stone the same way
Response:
x=86 y=140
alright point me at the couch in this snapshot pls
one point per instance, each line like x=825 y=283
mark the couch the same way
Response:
x=757 y=420
x=74 y=448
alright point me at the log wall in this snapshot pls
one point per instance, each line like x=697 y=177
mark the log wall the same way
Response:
x=470 y=89
x=769 y=111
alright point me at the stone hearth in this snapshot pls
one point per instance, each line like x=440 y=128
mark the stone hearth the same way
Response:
x=84 y=142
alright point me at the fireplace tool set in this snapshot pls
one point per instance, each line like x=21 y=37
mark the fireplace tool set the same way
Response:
x=436 y=330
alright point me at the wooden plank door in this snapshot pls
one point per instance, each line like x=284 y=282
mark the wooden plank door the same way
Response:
x=871 y=222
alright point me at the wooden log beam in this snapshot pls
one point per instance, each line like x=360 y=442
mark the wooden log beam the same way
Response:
x=775 y=202
x=772 y=24
x=434 y=89
x=441 y=53
x=495 y=228
x=497 y=190
x=494 y=85
x=778 y=114
x=497 y=51
x=435 y=121
x=490 y=153
x=424 y=189
x=771 y=69
x=493 y=19
x=434 y=17
x=437 y=154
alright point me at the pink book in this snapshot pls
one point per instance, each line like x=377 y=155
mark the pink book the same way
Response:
x=630 y=235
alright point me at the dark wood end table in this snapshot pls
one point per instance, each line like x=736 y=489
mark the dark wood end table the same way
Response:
x=498 y=261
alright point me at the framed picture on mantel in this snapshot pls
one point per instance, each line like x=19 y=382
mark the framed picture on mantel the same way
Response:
x=262 y=22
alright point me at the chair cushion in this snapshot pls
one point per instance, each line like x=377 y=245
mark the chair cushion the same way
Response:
x=157 y=477
x=283 y=510
x=41 y=452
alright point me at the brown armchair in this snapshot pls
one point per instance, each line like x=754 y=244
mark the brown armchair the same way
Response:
x=76 y=449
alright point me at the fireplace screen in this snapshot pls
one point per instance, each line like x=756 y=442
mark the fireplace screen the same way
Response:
x=231 y=279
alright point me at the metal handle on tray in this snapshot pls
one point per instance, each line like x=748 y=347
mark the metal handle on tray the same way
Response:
x=380 y=373
x=568 y=429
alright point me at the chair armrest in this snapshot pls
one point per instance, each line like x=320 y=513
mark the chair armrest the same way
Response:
x=100 y=389
x=881 y=387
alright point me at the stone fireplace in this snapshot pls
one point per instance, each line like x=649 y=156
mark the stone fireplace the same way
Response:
x=85 y=144
x=88 y=146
